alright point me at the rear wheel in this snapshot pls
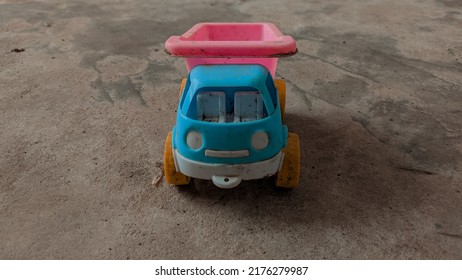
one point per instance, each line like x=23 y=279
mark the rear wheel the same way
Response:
x=289 y=175
x=172 y=176
x=183 y=84
x=281 y=88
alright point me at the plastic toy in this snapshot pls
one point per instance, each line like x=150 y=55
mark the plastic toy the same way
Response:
x=229 y=119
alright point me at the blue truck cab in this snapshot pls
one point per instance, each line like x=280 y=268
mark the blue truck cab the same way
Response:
x=229 y=128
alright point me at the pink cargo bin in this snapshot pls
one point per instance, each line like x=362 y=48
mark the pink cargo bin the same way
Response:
x=232 y=43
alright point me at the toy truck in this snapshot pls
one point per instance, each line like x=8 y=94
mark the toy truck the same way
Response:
x=229 y=120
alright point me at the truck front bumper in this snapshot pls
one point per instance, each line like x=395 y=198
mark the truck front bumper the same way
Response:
x=228 y=175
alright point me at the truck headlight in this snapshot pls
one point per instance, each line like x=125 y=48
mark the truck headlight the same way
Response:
x=194 y=140
x=260 y=140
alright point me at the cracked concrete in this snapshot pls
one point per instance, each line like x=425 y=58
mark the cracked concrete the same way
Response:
x=375 y=94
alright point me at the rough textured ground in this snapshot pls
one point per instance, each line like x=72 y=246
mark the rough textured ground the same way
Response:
x=375 y=94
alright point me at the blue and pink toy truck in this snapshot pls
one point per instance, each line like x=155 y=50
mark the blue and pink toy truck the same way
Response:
x=229 y=120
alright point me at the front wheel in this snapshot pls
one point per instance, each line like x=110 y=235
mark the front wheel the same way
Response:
x=289 y=175
x=172 y=176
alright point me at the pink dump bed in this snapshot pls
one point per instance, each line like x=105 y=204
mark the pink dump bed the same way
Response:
x=231 y=39
x=232 y=43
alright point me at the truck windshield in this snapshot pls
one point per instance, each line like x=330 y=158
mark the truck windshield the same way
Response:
x=228 y=107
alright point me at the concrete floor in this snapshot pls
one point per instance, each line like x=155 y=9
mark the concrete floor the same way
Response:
x=375 y=94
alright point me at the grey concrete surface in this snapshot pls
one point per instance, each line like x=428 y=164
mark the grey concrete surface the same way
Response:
x=375 y=94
